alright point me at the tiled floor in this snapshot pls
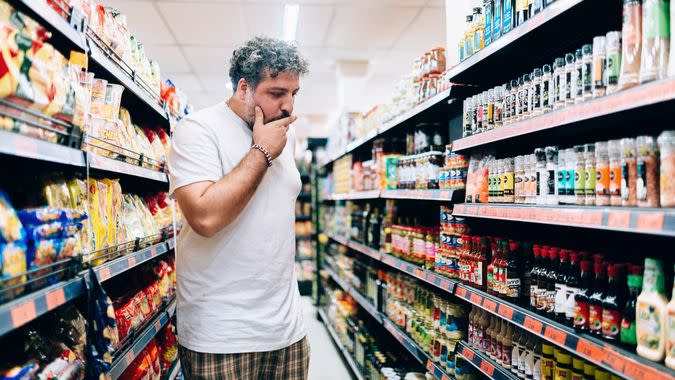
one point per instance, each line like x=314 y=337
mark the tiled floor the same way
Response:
x=325 y=362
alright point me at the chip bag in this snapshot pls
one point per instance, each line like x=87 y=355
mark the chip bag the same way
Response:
x=96 y=212
x=39 y=215
x=11 y=229
x=114 y=195
x=12 y=266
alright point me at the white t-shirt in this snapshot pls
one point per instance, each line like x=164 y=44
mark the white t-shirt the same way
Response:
x=237 y=291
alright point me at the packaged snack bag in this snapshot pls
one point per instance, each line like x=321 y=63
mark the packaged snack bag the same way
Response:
x=78 y=195
x=57 y=194
x=11 y=228
x=12 y=264
x=105 y=203
x=39 y=215
x=114 y=206
x=44 y=231
x=42 y=252
x=95 y=215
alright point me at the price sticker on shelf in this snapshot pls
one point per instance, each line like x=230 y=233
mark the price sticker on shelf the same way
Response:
x=489 y=305
x=590 y=350
x=487 y=368
x=418 y=273
x=131 y=261
x=615 y=360
x=461 y=292
x=505 y=311
x=635 y=370
x=104 y=274
x=618 y=219
x=158 y=325
x=430 y=366
x=476 y=299
x=445 y=284
x=129 y=357
x=650 y=221
x=533 y=325
x=467 y=353
x=55 y=298
x=555 y=335
x=23 y=313
x=445 y=377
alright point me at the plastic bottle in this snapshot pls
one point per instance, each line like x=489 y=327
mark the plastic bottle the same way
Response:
x=514 y=101
x=589 y=173
x=529 y=357
x=650 y=321
x=587 y=71
x=498 y=106
x=559 y=83
x=655 y=40
x=515 y=351
x=647 y=185
x=535 y=93
x=507 y=346
x=614 y=150
x=628 y=172
x=601 y=174
x=508 y=181
x=479 y=29
x=522 y=358
x=631 y=50
x=546 y=89
x=578 y=77
x=520 y=95
x=666 y=141
x=569 y=79
x=613 y=61
x=670 y=334
x=627 y=335
x=542 y=176
x=538 y=356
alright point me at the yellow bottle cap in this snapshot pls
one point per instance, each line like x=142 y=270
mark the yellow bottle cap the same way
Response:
x=601 y=374
x=589 y=369
x=547 y=349
x=564 y=358
x=80 y=59
x=578 y=364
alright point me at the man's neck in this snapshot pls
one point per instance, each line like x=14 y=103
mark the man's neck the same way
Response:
x=238 y=109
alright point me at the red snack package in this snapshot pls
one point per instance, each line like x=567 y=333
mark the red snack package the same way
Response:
x=126 y=319
x=142 y=306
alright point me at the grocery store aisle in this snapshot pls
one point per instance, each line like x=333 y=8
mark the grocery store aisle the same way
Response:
x=325 y=362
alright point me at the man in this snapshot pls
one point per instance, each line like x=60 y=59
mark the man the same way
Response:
x=234 y=176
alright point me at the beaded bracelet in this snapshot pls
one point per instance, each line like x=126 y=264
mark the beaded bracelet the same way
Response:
x=265 y=152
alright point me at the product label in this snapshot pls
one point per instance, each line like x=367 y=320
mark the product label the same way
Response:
x=513 y=290
x=586 y=70
x=547 y=368
x=670 y=343
x=536 y=96
x=508 y=183
x=589 y=180
x=569 y=302
x=580 y=181
x=648 y=321
x=598 y=72
x=641 y=181
x=568 y=85
x=595 y=318
x=615 y=180
x=613 y=66
x=488 y=23
x=533 y=296
x=550 y=301
x=563 y=374
x=536 y=371
x=569 y=182
x=534 y=184
x=628 y=331
x=546 y=93
x=602 y=180
x=478 y=270
x=578 y=81
x=529 y=365
x=550 y=182
x=610 y=323
x=624 y=181
x=560 y=300
x=515 y=356
x=581 y=314
x=561 y=182
x=497 y=21
x=559 y=89
x=542 y=300
x=508 y=17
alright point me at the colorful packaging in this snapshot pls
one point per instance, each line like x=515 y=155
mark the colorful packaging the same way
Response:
x=11 y=228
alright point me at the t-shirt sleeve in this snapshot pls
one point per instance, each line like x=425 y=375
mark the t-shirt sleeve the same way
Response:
x=194 y=156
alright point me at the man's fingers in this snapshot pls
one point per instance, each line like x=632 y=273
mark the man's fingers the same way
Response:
x=258 y=116
x=284 y=122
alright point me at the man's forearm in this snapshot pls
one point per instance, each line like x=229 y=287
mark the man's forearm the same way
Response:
x=225 y=199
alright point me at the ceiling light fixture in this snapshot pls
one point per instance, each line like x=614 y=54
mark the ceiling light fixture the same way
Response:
x=291 y=12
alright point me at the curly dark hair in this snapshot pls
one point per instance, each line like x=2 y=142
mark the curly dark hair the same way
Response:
x=263 y=55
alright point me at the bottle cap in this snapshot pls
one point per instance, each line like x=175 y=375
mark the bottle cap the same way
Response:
x=564 y=254
x=537 y=73
x=586 y=265
x=559 y=63
x=513 y=245
x=612 y=270
x=569 y=58
x=599 y=268
x=536 y=249
x=598 y=257
x=636 y=270
x=514 y=84
x=574 y=256
x=547 y=69
x=547 y=349
x=587 y=49
x=589 y=369
x=579 y=54
x=578 y=364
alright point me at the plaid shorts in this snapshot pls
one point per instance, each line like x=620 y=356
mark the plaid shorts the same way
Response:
x=290 y=363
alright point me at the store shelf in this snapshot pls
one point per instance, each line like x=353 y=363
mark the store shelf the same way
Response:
x=356 y=144
x=113 y=72
x=125 y=359
x=60 y=27
x=171 y=242
x=401 y=337
x=484 y=364
x=656 y=221
x=18 y=312
x=610 y=357
x=303 y=218
x=173 y=371
x=633 y=100
x=345 y=354
x=15 y=144
x=122 y=264
x=120 y=167
x=375 y=254
x=422 y=195
x=415 y=350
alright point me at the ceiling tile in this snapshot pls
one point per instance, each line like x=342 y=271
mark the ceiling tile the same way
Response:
x=210 y=24
x=143 y=21
x=313 y=23
x=264 y=19
x=428 y=29
x=208 y=59
x=363 y=27
x=214 y=83
x=170 y=58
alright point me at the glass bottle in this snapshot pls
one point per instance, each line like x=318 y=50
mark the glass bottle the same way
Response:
x=538 y=359
x=534 y=179
x=522 y=358
x=513 y=273
x=490 y=335
x=651 y=312
x=647 y=172
x=506 y=110
x=518 y=180
x=507 y=346
x=479 y=28
x=581 y=299
x=614 y=151
x=670 y=333
x=525 y=105
x=562 y=167
x=631 y=35
x=536 y=104
x=561 y=286
x=655 y=40
x=596 y=298
x=507 y=181
x=529 y=358
x=534 y=276
x=469 y=36
x=578 y=78
x=515 y=350
x=628 y=172
x=559 y=83
x=569 y=78
x=580 y=176
x=514 y=100
x=498 y=106
x=547 y=89
x=612 y=304
x=612 y=61
x=599 y=57
x=571 y=164
x=587 y=71
x=554 y=263
x=490 y=109
x=572 y=287
x=542 y=281
x=627 y=335
x=601 y=174
x=520 y=98
x=551 y=184
x=589 y=172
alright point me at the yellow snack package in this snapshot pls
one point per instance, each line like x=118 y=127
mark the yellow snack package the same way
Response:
x=105 y=204
x=114 y=220
x=42 y=67
x=95 y=214
x=78 y=196
x=57 y=194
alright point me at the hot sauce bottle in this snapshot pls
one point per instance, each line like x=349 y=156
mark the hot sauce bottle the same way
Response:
x=491 y=270
x=596 y=299
x=612 y=304
x=581 y=299
x=534 y=276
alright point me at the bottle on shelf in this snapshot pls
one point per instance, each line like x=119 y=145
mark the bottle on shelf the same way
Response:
x=572 y=287
x=547 y=361
x=542 y=281
x=522 y=358
x=627 y=335
x=582 y=298
x=650 y=321
x=507 y=346
x=612 y=305
x=561 y=286
x=508 y=16
x=554 y=254
x=538 y=358
x=563 y=367
x=515 y=350
x=529 y=357
x=491 y=344
x=513 y=273
x=534 y=276
x=597 y=297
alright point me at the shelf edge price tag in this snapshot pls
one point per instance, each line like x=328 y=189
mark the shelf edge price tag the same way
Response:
x=445 y=284
x=129 y=357
x=461 y=292
x=158 y=325
x=533 y=325
x=104 y=274
x=487 y=368
x=590 y=350
x=23 y=314
x=615 y=360
x=131 y=261
x=650 y=221
x=505 y=311
x=467 y=353
x=476 y=298
x=618 y=219
x=55 y=298
x=490 y=305
x=555 y=335
x=430 y=366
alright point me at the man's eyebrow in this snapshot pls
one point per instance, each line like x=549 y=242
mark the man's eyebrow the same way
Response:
x=284 y=89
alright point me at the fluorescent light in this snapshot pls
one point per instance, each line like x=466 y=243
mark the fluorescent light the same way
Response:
x=291 y=12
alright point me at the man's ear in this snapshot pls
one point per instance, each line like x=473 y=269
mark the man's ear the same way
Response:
x=242 y=87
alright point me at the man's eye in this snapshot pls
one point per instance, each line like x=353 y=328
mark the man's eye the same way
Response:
x=277 y=94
